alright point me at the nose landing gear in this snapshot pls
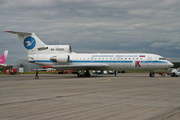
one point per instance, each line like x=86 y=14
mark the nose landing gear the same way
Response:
x=151 y=74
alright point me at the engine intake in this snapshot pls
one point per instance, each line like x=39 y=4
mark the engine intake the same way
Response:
x=60 y=58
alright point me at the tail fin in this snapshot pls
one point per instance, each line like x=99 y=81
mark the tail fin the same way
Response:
x=30 y=41
x=3 y=57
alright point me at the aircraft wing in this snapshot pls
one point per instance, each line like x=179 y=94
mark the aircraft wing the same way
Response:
x=81 y=66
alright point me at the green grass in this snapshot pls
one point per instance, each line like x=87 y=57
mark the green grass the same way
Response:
x=136 y=71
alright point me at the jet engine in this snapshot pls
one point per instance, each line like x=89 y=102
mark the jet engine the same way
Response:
x=60 y=58
x=65 y=48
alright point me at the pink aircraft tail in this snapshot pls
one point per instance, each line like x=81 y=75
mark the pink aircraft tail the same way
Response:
x=3 y=57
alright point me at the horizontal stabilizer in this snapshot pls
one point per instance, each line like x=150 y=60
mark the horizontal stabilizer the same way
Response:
x=18 y=33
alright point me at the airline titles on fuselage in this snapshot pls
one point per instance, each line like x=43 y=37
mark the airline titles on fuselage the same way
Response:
x=114 y=55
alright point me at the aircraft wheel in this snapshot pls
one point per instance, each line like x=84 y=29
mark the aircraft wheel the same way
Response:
x=173 y=75
x=87 y=74
x=151 y=74
x=78 y=75
x=115 y=73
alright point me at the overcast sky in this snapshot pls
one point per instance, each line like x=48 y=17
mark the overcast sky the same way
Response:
x=120 y=26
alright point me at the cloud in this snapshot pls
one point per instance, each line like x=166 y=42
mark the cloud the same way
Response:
x=140 y=11
x=158 y=45
x=150 y=26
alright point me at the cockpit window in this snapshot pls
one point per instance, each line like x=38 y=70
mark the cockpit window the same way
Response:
x=162 y=59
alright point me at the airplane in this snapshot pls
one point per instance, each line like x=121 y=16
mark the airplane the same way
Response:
x=3 y=59
x=61 y=57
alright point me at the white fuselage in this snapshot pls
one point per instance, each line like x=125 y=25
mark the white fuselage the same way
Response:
x=124 y=61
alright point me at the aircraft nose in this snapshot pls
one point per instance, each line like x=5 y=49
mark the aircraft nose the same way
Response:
x=170 y=64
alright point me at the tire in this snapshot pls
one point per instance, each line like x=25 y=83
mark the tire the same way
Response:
x=151 y=74
x=78 y=75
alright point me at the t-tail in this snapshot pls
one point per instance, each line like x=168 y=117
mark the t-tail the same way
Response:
x=3 y=57
x=31 y=43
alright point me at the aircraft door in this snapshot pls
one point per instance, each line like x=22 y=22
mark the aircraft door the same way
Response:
x=91 y=59
x=149 y=60
x=118 y=64
x=133 y=63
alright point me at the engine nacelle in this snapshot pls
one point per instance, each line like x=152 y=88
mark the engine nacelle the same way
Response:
x=65 y=48
x=60 y=58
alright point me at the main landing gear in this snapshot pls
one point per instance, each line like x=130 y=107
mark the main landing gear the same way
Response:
x=151 y=74
x=115 y=73
x=82 y=74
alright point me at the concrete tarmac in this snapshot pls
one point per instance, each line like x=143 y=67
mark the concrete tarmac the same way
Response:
x=128 y=96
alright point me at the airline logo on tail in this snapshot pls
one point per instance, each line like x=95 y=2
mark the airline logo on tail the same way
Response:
x=29 y=43
x=3 y=57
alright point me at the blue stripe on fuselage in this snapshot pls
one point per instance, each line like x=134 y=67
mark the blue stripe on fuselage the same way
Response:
x=85 y=61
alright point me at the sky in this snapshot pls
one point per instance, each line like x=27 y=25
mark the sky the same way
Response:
x=105 y=26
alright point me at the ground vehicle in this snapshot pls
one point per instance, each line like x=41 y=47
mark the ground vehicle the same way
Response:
x=174 y=72
x=11 y=71
x=105 y=72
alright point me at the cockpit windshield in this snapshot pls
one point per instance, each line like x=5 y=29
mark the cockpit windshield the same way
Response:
x=162 y=59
